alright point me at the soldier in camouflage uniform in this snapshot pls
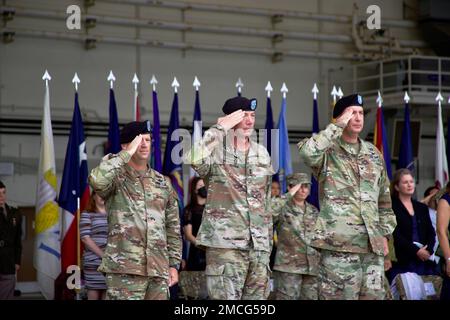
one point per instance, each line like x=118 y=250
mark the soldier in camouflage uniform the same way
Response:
x=356 y=215
x=143 y=252
x=237 y=224
x=296 y=263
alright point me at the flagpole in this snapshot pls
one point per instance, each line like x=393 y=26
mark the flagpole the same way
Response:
x=135 y=81
x=78 y=289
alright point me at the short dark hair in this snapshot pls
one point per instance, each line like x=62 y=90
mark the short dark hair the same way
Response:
x=2 y=186
x=428 y=191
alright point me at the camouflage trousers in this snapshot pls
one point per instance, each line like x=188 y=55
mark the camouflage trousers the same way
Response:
x=122 y=286
x=233 y=274
x=293 y=286
x=351 y=276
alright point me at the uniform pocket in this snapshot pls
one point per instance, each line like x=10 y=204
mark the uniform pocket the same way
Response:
x=215 y=281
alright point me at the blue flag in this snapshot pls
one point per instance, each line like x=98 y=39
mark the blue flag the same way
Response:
x=269 y=126
x=156 y=162
x=313 y=197
x=113 y=145
x=284 y=148
x=74 y=186
x=170 y=169
x=405 y=158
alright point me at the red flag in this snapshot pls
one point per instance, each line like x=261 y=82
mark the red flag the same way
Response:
x=137 y=109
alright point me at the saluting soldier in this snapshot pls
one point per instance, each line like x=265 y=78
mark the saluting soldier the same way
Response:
x=236 y=227
x=296 y=262
x=10 y=245
x=143 y=252
x=356 y=216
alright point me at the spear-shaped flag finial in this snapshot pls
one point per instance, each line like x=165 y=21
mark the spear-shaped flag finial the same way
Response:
x=406 y=97
x=239 y=85
x=268 y=89
x=284 y=90
x=76 y=81
x=111 y=79
x=379 y=99
x=439 y=97
x=175 y=84
x=153 y=82
x=340 y=94
x=196 y=83
x=46 y=77
x=334 y=93
x=135 y=81
x=315 y=91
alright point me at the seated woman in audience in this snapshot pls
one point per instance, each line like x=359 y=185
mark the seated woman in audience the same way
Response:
x=443 y=228
x=94 y=234
x=414 y=236
x=193 y=213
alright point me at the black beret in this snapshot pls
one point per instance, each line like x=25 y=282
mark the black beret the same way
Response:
x=133 y=129
x=2 y=186
x=236 y=103
x=345 y=102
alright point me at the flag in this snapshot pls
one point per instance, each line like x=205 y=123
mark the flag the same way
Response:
x=113 y=145
x=137 y=109
x=380 y=140
x=269 y=125
x=197 y=131
x=441 y=167
x=313 y=197
x=405 y=158
x=156 y=163
x=448 y=142
x=47 y=250
x=170 y=169
x=284 y=148
x=74 y=186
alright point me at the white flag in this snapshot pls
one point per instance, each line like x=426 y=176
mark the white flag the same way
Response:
x=47 y=251
x=441 y=173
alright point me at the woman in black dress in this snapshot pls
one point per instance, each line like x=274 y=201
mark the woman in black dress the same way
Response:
x=414 y=235
x=443 y=229
x=192 y=219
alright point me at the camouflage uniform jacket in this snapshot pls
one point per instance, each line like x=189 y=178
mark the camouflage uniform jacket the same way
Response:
x=294 y=228
x=237 y=211
x=355 y=204
x=144 y=227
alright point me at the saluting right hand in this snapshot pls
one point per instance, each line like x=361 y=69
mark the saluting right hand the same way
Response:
x=344 y=118
x=294 y=189
x=133 y=145
x=229 y=121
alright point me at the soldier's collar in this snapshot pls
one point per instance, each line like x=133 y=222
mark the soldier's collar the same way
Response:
x=363 y=146
x=136 y=173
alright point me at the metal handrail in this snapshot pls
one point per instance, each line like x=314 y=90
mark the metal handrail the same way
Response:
x=369 y=77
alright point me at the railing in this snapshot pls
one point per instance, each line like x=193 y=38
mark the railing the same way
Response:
x=415 y=74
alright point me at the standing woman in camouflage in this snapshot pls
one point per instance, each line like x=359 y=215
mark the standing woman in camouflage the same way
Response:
x=296 y=262
x=236 y=228
x=143 y=252
x=355 y=206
